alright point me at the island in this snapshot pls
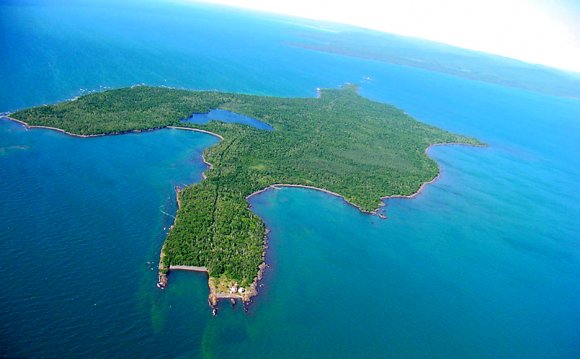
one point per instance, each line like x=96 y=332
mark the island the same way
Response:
x=338 y=142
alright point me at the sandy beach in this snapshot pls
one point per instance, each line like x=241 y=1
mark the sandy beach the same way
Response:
x=196 y=130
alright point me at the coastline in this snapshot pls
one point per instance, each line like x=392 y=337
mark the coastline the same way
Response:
x=51 y=128
x=374 y=212
x=25 y=124
x=209 y=166
x=163 y=271
x=277 y=185
x=214 y=294
x=194 y=129
x=213 y=283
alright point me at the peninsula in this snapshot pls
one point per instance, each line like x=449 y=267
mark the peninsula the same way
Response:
x=339 y=142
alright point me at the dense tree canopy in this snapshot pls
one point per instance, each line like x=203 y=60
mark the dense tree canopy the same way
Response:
x=341 y=142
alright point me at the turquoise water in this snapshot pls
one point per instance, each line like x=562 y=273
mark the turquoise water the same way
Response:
x=228 y=117
x=484 y=263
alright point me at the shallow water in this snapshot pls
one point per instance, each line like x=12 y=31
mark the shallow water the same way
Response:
x=484 y=263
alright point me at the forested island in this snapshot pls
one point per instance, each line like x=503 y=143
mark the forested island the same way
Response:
x=340 y=142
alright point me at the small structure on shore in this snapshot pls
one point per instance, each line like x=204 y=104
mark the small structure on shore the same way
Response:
x=234 y=288
x=162 y=280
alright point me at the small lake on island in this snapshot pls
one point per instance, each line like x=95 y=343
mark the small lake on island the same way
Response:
x=228 y=117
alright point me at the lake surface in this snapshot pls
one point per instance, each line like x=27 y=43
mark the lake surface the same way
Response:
x=484 y=263
x=228 y=117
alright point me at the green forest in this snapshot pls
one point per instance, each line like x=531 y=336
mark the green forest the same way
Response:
x=342 y=142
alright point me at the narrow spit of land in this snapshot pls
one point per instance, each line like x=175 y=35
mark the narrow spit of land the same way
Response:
x=339 y=142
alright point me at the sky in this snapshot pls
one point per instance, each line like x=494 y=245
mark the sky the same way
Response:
x=543 y=32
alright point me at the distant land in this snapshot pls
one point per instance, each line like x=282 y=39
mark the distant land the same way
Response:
x=429 y=55
x=339 y=142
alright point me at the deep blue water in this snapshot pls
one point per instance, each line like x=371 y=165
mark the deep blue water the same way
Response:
x=82 y=224
x=484 y=263
x=228 y=117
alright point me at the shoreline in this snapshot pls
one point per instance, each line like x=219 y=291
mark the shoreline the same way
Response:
x=209 y=166
x=51 y=128
x=193 y=129
x=382 y=204
x=27 y=126
x=214 y=295
x=252 y=291
x=162 y=270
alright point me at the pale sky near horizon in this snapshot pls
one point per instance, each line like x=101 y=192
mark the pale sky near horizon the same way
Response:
x=543 y=32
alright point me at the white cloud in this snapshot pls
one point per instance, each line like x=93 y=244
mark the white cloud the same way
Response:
x=543 y=32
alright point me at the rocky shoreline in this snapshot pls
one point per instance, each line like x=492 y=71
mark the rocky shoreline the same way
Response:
x=219 y=287
x=215 y=294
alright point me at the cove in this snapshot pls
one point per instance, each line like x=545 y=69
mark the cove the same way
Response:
x=82 y=223
x=433 y=277
x=228 y=117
